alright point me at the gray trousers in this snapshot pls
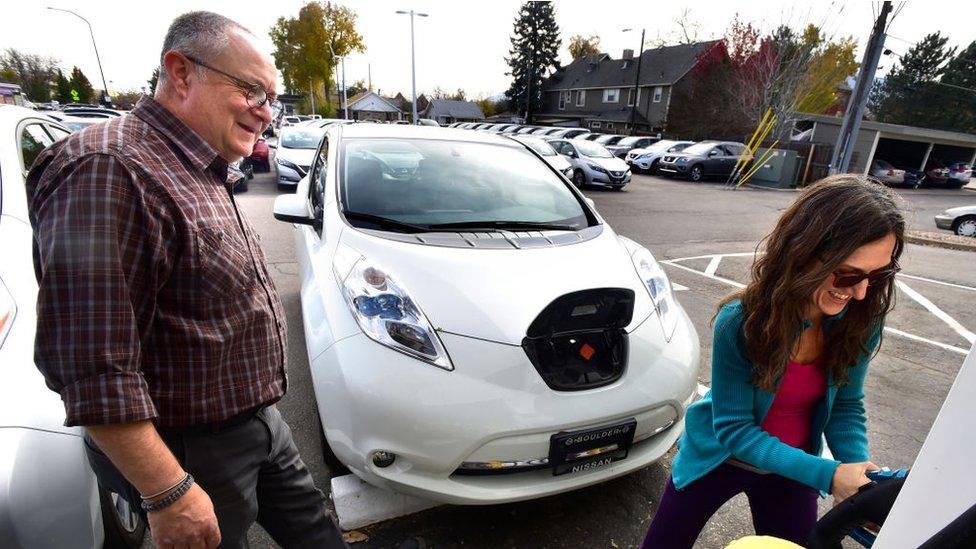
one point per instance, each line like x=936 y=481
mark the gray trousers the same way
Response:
x=252 y=472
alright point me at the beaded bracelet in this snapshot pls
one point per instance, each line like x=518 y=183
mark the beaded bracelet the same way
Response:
x=163 y=491
x=173 y=496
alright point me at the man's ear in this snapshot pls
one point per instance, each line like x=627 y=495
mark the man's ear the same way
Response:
x=179 y=71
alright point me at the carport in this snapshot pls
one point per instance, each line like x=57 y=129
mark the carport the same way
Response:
x=908 y=147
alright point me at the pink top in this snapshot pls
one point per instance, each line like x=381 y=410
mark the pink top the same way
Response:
x=789 y=418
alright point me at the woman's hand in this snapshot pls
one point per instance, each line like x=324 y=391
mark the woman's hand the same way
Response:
x=848 y=477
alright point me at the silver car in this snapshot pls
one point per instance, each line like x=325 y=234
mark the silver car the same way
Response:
x=961 y=220
x=549 y=154
x=646 y=159
x=295 y=153
x=48 y=494
x=593 y=164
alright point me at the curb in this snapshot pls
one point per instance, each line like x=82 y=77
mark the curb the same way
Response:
x=762 y=188
x=923 y=241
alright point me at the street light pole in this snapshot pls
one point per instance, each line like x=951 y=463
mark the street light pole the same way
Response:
x=413 y=63
x=97 y=58
x=342 y=95
x=633 y=109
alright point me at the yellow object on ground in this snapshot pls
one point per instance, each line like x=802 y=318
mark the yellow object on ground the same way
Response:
x=762 y=542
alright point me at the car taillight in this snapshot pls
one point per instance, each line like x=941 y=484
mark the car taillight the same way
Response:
x=8 y=310
x=958 y=169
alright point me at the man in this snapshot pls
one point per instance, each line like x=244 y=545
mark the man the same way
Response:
x=158 y=322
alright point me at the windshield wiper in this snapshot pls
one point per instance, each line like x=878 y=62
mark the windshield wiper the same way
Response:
x=386 y=222
x=502 y=225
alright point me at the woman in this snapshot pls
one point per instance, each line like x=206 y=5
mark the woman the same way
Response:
x=789 y=357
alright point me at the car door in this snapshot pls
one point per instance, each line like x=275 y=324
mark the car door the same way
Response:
x=712 y=164
x=569 y=151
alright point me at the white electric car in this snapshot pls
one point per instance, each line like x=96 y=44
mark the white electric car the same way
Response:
x=476 y=332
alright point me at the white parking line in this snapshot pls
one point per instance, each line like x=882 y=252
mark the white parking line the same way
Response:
x=932 y=308
x=709 y=256
x=950 y=284
x=713 y=265
x=713 y=277
x=678 y=287
x=945 y=346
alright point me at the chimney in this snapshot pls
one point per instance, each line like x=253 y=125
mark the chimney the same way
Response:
x=628 y=54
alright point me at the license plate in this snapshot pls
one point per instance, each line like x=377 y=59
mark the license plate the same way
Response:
x=578 y=451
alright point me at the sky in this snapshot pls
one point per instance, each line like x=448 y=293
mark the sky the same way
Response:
x=461 y=44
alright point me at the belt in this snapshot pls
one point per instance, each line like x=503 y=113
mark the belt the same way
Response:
x=214 y=427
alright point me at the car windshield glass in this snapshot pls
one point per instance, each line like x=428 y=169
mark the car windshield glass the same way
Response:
x=304 y=139
x=593 y=150
x=427 y=182
x=699 y=148
x=540 y=146
x=629 y=141
x=607 y=139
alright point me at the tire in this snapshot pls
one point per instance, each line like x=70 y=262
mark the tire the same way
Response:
x=241 y=186
x=696 y=174
x=579 y=178
x=965 y=226
x=124 y=527
x=336 y=467
x=653 y=169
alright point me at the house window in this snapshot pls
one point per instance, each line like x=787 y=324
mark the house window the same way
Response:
x=563 y=99
x=609 y=125
x=611 y=95
x=658 y=92
x=630 y=96
x=595 y=124
x=580 y=98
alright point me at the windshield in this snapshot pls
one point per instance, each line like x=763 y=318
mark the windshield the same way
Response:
x=607 y=139
x=591 y=149
x=699 y=149
x=629 y=141
x=302 y=139
x=427 y=183
x=539 y=146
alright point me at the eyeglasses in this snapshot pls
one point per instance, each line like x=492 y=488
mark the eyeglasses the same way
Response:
x=255 y=94
x=846 y=280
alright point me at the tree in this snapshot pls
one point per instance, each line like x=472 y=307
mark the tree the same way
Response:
x=910 y=93
x=126 y=100
x=534 y=54
x=302 y=48
x=31 y=72
x=832 y=63
x=487 y=107
x=153 y=80
x=581 y=47
x=685 y=31
x=357 y=87
x=81 y=86
x=958 y=87
x=459 y=95
x=62 y=88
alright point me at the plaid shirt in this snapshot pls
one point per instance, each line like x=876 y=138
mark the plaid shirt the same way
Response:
x=154 y=298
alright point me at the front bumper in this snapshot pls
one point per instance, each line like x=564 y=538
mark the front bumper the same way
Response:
x=286 y=176
x=493 y=407
x=639 y=163
x=944 y=222
x=671 y=168
x=606 y=180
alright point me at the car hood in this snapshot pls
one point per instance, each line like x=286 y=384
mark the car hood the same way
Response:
x=301 y=157
x=961 y=210
x=614 y=164
x=557 y=161
x=495 y=294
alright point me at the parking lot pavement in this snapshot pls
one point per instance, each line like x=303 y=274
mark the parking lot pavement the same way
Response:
x=687 y=225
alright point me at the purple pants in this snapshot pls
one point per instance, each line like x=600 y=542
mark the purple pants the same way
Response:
x=781 y=507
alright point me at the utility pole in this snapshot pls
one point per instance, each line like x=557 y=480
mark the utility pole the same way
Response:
x=105 y=98
x=345 y=100
x=840 y=161
x=311 y=92
x=413 y=62
x=528 y=89
x=633 y=109
x=369 y=76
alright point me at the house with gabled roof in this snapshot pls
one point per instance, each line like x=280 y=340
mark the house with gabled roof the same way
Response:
x=448 y=111
x=369 y=105
x=597 y=91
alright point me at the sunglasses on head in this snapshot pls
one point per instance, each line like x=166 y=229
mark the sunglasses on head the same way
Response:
x=846 y=280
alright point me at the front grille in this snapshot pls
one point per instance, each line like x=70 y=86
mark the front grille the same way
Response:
x=578 y=341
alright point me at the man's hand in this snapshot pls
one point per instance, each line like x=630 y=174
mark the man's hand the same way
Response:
x=189 y=522
x=848 y=477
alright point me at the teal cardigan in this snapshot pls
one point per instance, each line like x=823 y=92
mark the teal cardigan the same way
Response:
x=726 y=421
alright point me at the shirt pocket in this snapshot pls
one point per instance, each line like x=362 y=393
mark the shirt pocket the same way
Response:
x=224 y=267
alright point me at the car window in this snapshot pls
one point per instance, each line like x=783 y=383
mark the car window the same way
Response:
x=302 y=139
x=33 y=140
x=57 y=133
x=679 y=147
x=318 y=178
x=540 y=146
x=430 y=182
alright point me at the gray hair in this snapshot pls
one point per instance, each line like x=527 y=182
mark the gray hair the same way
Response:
x=199 y=34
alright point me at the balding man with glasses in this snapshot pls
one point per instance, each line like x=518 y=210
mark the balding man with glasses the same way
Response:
x=157 y=319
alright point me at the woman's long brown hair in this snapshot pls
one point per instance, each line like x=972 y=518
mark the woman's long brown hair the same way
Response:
x=826 y=224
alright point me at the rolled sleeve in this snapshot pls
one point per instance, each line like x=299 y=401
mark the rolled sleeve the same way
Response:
x=99 y=257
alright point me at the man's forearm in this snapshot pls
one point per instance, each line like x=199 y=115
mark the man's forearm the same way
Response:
x=139 y=453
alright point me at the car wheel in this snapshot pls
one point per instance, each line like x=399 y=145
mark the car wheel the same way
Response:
x=241 y=186
x=696 y=174
x=579 y=178
x=336 y=467
x=966 y=226
x=653 y=169
x=123 y=525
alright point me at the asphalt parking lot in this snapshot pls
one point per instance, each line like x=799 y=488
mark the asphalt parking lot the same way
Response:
x=705 y=234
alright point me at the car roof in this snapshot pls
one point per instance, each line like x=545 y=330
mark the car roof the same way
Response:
x=416 y=132
x=12 y=114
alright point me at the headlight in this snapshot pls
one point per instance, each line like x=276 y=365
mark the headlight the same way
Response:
x=645 y=156
x=659 y=288
x=596 y=168
x=682 y=160
x=388 y=316
x=288 y=164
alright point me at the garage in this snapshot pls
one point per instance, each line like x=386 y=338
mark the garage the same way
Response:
x=907 y=155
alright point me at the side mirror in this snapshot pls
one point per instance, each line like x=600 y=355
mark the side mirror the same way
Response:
x=712 y=153
x=291 y=208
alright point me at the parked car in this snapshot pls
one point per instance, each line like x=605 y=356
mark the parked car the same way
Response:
x=75 y=124
x=295 y=152
x=261 y=156
x=590 y=136
x=703 y=159
x=608 y=139
x=627 y=144
x=246 y=167
x=549 y=154
x=528 y=129
x=593 y=164
x=647 y=159
x=290 y=121
x=49 y=497
x=459 y=348
x=959 y=174
x=427 y=122
x=568 y=133
x=961 y=220
x=883 y=171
